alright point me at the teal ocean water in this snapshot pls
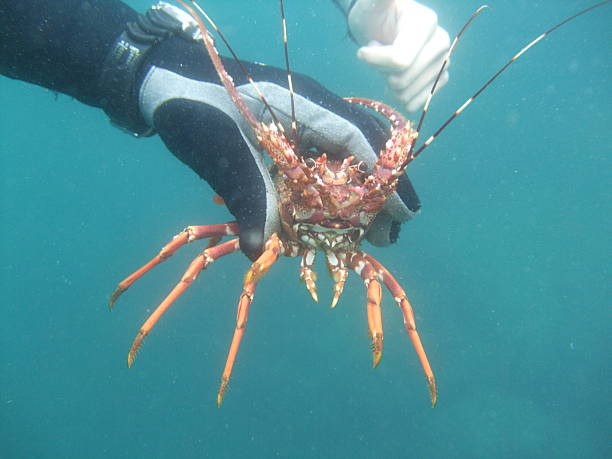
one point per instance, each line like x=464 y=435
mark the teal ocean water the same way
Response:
x=507 y=267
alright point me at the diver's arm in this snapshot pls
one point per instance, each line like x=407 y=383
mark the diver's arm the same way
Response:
x=60 y=44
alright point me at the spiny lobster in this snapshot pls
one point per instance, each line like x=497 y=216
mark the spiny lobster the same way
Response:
x=325 y=205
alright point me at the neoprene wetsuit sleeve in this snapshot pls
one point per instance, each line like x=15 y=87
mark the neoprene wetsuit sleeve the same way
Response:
x=60 y=44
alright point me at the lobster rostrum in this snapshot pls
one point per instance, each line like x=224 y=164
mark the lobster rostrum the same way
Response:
x=325 y=204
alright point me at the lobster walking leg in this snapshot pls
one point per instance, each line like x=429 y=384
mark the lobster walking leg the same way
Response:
x=338 y=272
x=409 y=323
x=189 y=234
x=273 y=249
x=197 y=265
x=364 y=268
x=307 y=274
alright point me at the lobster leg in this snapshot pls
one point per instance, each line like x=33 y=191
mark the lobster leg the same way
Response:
x=369 y=275
x=273 y=249
x=189 y=234
x=338 y=272
x=197 y=265
x=409 y=323
x=307 y=274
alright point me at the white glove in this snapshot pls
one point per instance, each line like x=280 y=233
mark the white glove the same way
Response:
x=402 y=39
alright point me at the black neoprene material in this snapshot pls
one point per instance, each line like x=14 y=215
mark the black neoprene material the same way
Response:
x=60 y=44
x=201 y=135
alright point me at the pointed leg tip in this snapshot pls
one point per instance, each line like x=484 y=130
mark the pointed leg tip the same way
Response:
x=432 y=391
x=130 y=360
x=377 y=357
x=135 y=348
x=313 y=294
x=115 y=296
x=221 y=392
x=334 y=301
x=377 y=349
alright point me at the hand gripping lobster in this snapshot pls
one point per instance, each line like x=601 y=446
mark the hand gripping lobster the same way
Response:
x=325 y=205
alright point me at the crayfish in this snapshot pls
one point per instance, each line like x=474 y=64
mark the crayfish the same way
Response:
x=326 y=205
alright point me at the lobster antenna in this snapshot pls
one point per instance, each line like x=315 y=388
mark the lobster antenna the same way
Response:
x=494 y=77
x=293 y=137
x=244 y=70
x=444 y=65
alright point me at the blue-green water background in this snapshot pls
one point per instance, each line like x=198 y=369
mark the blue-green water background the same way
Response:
x=507 y=267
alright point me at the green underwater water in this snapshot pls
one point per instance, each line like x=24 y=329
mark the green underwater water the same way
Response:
x=507 y=267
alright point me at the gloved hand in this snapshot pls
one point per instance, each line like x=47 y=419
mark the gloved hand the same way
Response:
x=402 y=39
x=199 y=123
x=180 y=97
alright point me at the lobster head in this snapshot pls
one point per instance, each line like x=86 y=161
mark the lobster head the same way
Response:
x=334 y=207
x=329 y=204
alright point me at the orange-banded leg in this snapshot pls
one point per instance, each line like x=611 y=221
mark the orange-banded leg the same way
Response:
x=307 y=274
x=364 y=268
x=273 y=249
x=409 y=323
x=189 y=234
x=338 y=272
x=197 y=265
